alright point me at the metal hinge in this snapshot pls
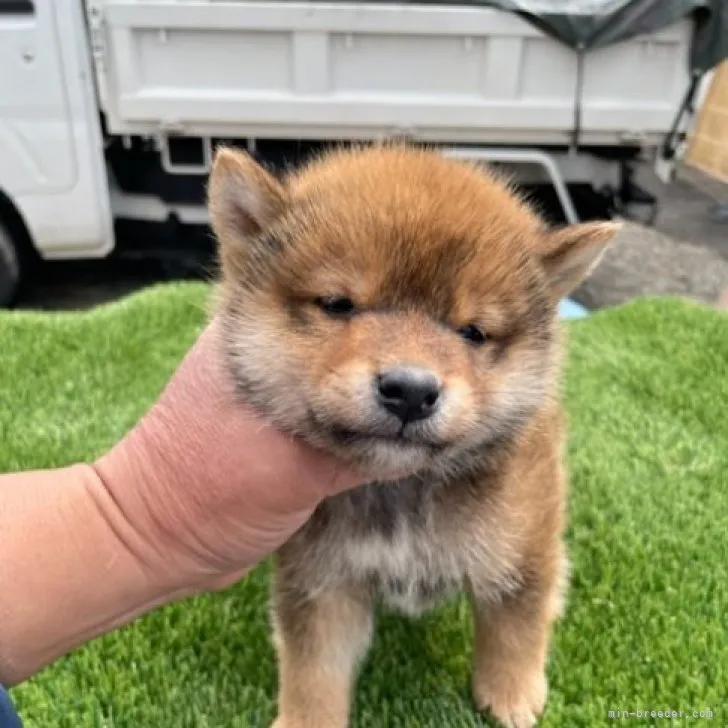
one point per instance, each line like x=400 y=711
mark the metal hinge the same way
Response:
x=97 y=35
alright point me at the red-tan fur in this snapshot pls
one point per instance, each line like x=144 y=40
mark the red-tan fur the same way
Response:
x=472 y=498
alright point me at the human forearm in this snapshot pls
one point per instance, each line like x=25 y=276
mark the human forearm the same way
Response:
x=196 y=493
x=69 y=567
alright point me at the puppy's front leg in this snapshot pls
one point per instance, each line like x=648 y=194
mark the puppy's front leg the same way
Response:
x=320 y=642
x=511 y=646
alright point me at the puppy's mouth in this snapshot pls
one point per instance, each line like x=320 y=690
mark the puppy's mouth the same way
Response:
x=407 y=436
x=401 y=439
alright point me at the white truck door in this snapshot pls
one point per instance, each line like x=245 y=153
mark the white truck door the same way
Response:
x=51 y=149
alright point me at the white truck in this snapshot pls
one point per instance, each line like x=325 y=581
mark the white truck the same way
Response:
x=110 y=109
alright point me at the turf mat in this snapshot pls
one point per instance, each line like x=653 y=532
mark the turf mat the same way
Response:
x=647 y=621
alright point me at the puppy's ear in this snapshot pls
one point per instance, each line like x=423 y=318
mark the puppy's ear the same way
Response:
x=243 y=198
x=570 y=254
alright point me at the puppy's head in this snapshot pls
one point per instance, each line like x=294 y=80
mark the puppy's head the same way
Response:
x=392 y=306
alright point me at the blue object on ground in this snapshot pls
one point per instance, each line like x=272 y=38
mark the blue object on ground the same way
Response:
x=8 y=717
x=571 y=309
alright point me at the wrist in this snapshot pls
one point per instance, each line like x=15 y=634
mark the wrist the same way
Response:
x=152 y=478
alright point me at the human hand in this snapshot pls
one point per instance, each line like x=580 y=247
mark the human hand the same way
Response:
x=204 y=489
x=197 y=493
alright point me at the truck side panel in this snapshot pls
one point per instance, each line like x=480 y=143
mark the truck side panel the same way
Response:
x=361 y=70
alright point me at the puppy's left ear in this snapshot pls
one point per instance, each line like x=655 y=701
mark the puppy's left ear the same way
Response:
x=570 y=254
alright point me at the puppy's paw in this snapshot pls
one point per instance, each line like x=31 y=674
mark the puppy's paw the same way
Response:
x=283 y=722
x=515 y=701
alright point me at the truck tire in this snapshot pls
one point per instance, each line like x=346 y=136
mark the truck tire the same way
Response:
x=10 y=269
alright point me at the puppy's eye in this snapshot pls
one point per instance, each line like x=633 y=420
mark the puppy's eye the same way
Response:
x=337 y=305
x=472 y=334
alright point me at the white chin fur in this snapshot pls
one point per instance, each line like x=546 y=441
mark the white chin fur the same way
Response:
x=386 y=461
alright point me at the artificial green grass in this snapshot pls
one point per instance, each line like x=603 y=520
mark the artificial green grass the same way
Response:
x=646 y=626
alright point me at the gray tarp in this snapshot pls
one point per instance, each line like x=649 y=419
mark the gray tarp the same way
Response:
x=590 y=24
x=622 y=20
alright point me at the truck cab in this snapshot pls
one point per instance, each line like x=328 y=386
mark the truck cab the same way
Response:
x=54 y=198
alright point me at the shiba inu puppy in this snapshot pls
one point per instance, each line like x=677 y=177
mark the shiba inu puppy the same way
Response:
x=398 y=308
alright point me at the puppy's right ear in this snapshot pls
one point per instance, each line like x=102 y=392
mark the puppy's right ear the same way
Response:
x=243 y=198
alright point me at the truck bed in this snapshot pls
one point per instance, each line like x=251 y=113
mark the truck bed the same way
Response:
x=318 y=70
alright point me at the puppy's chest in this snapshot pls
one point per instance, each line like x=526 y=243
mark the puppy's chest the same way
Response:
x=400 y=542
x=406 y=571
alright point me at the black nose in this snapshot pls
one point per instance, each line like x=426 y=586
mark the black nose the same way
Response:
x=411 y=394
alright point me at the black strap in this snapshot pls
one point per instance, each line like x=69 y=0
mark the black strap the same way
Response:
x=578 y=93
x=669 y=146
